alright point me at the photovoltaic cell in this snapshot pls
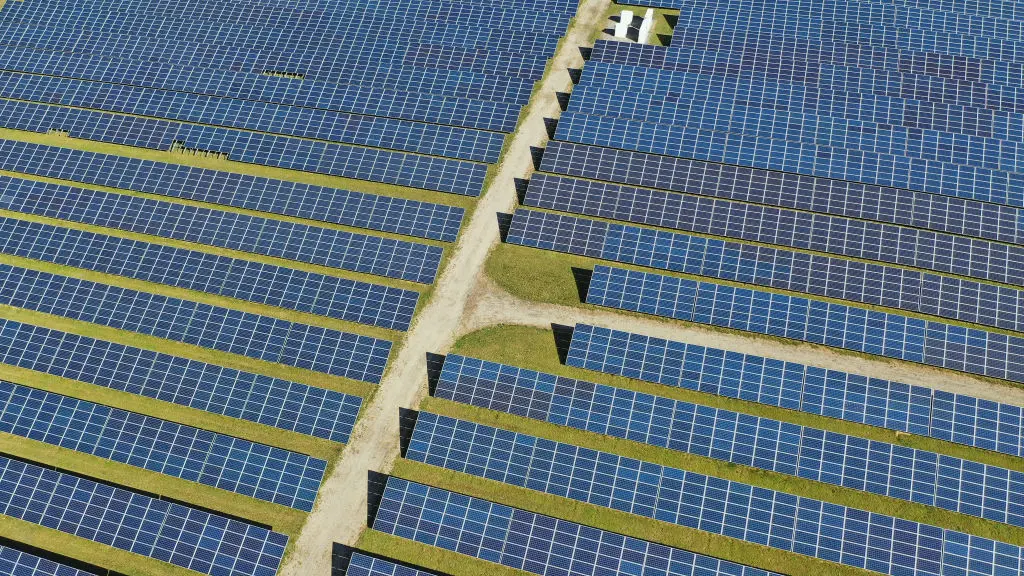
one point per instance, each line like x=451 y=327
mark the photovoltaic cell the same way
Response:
x=271 y=401
x=126 y=520
x=363 y=565
x=527 y=541
x=768 y=517
x=838 y=459
x=242 y=279
x=19 y=563
x=982 y=423
x=879 y=333
x=218 y=460
x=358 y=209
x=269 y=237
x=889 y=286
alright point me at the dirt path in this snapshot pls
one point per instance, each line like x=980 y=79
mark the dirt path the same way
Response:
x=340 y=514
x=491 y=305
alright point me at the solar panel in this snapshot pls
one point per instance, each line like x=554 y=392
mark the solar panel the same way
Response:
x=686 y=175
x=363 y=565
x=266 y=236
x=827 y=392
x=330 y=296
x=261 y=337
x=183 y=536
x=358 y=209
x=838 y=459
x=889 y=286
x=19 y=563
x=527 y=541
x=879 y=333
x=271 y=401
x=716 y=66
x=376 y=165
x=257 y=470
x=829 y=161
x=451 y=110
x=809 y=527
x=389 y=133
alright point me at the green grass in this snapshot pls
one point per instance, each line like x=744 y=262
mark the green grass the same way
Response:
x=534 y=348
x=618 y=522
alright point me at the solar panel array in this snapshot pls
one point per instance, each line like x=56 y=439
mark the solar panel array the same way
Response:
x=365 y=108
x=19 y=563
x=174 y=533
x=528 y=541
x=878 y=333
x=878 y=467
x=271 y=401
x=431 y=139
x=242 y=279
x=958 y=418
x=218 y=460
x=876 y=284
x=363 y=565
x=269 y=237
x=359 y=209
x=260 y=337
x=784 y=521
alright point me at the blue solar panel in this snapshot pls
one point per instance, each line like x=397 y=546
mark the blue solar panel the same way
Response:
x=17 y=563
x=223 y=329
x=286 y=405
x=266 y=236
x=404 y=169
x=531 y=542
x=809 y=527
x=389 y=133
x=801 y=525
x=383 y=213
x=685 y=175
x=879 y=333
x=242 y=279
x=989 y=425
x=888 y=286
x=838 y=459
x=363 y=565
x=451 y=110
x=174 y=533
x=264 y=472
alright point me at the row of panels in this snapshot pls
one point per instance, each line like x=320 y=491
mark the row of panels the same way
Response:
x=218 y=460
x=320 y=203
x=878 y=333
x=889 y=286
x=375 y=165
x=947 y=416
x=244 y=280
x=329 y=247
x=877 y=467
x=259 y=337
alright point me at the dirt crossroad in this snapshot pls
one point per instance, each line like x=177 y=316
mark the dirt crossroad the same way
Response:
x=340 y=514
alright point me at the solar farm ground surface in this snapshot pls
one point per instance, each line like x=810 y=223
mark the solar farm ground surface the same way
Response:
x=500 y=296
